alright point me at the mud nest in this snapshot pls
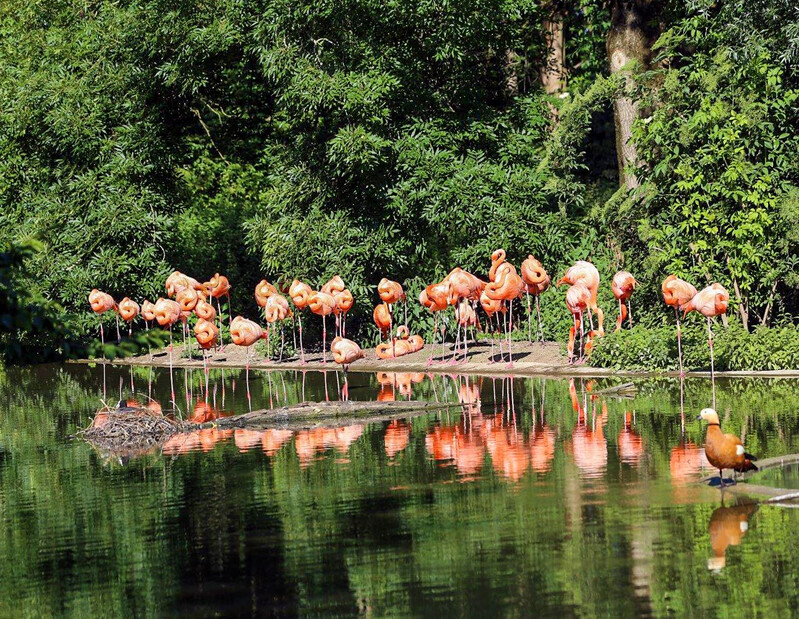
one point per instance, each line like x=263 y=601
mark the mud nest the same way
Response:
x=130 y=430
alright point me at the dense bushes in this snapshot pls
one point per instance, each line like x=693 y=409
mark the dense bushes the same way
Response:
x=655 y=348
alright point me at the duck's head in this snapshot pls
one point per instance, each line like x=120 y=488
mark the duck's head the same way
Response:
x=709 y=415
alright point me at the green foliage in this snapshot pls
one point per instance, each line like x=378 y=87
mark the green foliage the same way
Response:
x=720 y=163
x=734 y=349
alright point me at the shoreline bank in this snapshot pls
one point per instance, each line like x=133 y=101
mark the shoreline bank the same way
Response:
x=538 y=359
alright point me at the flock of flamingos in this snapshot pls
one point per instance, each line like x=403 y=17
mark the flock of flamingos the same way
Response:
x=459 y=289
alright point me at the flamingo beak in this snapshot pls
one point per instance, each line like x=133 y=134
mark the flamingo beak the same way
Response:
x=699 y=418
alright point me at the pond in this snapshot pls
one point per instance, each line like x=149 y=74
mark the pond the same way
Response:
x=541 y=497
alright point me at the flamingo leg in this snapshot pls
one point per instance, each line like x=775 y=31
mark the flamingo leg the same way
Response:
x=171 y=379
x=679 y=342
x=529 y=318
x=102 y=337
x=582 y=336
x=391 y=331
x=457 y=339
x=712 y=370
x=435 y=331
x=510 y=331
x=302 y=350
x=119 y=337
x=538 y=311
x=219 y=318
x=405 y=305
x=491 y=358
x=324 y=343
x=229 y=313
x=572 y=333
x=630 y=314
x=282 y=342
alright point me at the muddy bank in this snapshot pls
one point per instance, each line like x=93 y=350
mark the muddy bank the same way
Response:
x=537 y=359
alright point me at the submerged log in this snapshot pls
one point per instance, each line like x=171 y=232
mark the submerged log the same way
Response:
x=312 y=414
x=131 y=431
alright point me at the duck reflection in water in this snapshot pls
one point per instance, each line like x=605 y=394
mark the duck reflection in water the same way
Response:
x=727 y=527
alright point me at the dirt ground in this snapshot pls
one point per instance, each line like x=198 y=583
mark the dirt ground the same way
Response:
x=529 y=359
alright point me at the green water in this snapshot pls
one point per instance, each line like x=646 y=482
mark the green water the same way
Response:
x=534 y=501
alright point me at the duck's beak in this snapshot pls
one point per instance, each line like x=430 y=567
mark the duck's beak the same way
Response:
x=699 y=418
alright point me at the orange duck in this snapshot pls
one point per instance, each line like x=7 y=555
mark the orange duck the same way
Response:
x=724 y=451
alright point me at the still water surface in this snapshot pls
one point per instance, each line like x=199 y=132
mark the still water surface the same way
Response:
x=537 y=499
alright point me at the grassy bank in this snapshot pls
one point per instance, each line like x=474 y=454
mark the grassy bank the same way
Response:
x=655 y=348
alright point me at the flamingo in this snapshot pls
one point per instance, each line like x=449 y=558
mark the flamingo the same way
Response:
x=465 y=317
x=585 y=272
x=623 y=285
x=711 y=301
x=491 y=307
x=391 y=292
x=263 y=291
x=435 y=298
x=128 y=310
x=177 y=281
x=244 y=332
x=507 y=287
x=277 y=309
x=345 y=352
x=382 y=318
x=344 y=302
x=677 y=292
x=187 y=298
x=148 y=313
x=536 y=281
x=207 y=334
x=101 y=302
x=462 y=285
x=205 y=310
x=577 y=299
x=322 y=304
x=219 y=286
x=299 y=293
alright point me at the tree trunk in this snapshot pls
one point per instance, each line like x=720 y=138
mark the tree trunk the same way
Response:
x=634 y=29
x=553 y=74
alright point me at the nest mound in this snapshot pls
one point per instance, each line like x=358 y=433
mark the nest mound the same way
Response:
x=130 y=429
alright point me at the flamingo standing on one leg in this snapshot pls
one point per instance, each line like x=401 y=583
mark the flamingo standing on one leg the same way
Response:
x=177 y=281
x=322 y=304
x=148 y=314
x=128 y=310
x=435 y=298
x=207 y=334
x=219 y=286
x=585 y=272
x=623 y=285
x=277 y=310
x=390 y=292
x=345 y=352
x=101 y=302
x=536 y=281
x=382 y=318
x=677 y=292
x=263 y=291
x=245 y=333
x=491 y=307
x=300 y=293
x=344 y=302
x=167 y=313
x=710 y=302
x=578 y=297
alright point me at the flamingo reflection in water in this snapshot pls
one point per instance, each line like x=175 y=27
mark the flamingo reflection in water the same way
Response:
x=318 y=440
x=588 y=445
x=631 y=446
x=398 y=433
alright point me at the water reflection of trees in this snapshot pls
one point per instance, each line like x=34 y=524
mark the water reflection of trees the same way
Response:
x=384 y=531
